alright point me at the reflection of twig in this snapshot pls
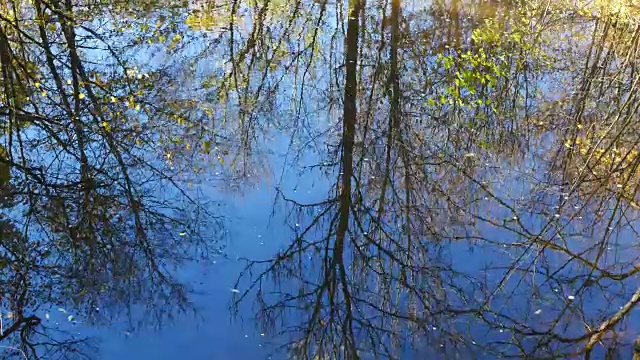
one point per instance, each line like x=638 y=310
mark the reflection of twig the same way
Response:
x=14 y=348
x=609 y=324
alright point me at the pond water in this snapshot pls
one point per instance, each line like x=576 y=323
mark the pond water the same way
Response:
x=319 y=179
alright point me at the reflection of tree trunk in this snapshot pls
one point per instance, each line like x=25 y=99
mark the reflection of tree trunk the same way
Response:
x=396 y=118
x=348 y=128
x=348 y=124
x=70 y=36
x=457 y=32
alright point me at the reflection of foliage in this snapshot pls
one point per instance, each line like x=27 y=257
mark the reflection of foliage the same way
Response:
x=613 y=164
x=500 y=52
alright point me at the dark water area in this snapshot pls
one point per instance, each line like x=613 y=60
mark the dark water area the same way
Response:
x=319 y=179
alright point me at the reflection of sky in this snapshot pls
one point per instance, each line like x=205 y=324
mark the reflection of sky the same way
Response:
x=211 y=333
x=255 y=233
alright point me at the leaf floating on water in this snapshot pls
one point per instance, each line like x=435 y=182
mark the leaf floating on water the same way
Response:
x=235 y=291
x=571 y=297
x=221 y=159
x=46 y=316
x=183 y=234
x=62 y=310
x=9 y=315
x=70 y=317
x=538 y=312
x=81 y=96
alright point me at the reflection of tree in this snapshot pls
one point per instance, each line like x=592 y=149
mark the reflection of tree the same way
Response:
x=376 y=267
x=97 y=220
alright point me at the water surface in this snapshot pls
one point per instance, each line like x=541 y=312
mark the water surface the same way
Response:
x=318 y=179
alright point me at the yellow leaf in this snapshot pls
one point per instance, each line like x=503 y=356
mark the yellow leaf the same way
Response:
x=81 y=96
x=37 y=85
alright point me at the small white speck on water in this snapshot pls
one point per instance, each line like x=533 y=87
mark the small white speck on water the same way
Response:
x=46 y=316
x=260 y=345
x=259 y=236
x=246 y=336
x=501 y=330
x=473 y=342
x=183 y=234
x=441 y=345
x=515 y=218
x=434 y=328
x=571 y=297
x=235 y=291
x=556 y=290
x=262 y=334
x=579 y=217
x=557 y=215
x=297 y=225
x=619 y=185
x=538 y=312
x=486 y=198
x=261 y=242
